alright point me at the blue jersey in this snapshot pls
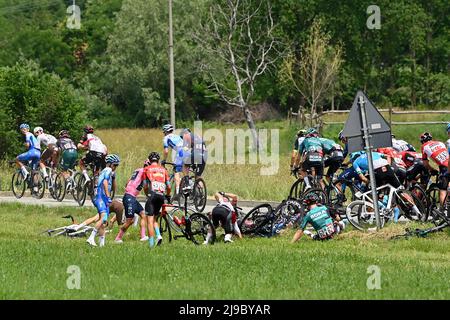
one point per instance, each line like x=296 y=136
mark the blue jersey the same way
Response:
x=361 y=164
x=32 y=141
x=173 y=141
x=108 y=175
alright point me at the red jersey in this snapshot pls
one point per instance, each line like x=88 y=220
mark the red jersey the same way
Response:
x=158 y=177
x=395 y=155
x=437 y=151
x=409 y=157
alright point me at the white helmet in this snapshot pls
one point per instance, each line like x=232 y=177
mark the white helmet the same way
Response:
x=38 y=129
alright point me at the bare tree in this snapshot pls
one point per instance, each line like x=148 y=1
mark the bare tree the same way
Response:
x=239 y=44
x=314 y=72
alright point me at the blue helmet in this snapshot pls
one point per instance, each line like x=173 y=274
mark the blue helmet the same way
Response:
x=113 y=159
x=448 y=127
x=24 y=126
x=355 y=155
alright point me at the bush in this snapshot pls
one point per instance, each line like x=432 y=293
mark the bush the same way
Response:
x=29 y=94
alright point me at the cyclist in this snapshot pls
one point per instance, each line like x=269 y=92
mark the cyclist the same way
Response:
x=224 y=214
x=195 y=153
x=401 y=145
x=96 y=154
x=395 y=160
x=115 y=207
x=344 y=141
x=334 y=156
x=415 y=167
x=174 y=142
x=438 y=152
x=383 y=171
x=319 y=217
x=448 y=134
x=295 y=157
x=33 y=153
x=312 y=156
x=68 y=152
x=103 y=198
x=132 y=205
x=157 y=189
x=50 y=153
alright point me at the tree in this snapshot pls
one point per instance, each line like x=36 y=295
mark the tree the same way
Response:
x=313 y=73
x=239 y=42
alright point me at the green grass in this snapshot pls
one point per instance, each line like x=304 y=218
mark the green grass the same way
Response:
x=34 y=266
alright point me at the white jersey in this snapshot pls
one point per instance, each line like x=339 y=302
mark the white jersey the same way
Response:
x=227 y=204
x=400 y=145
x=94 y=143
x=45 y=139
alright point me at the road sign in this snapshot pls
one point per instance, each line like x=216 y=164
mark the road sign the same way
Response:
x=379 y=130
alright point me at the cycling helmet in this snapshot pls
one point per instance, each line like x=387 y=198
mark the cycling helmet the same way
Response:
x=147 y=163
x=301 y=133
x=24 y=126
x=448 y=127
x=38 y=129
x=88 y=129
x=64 y=134
x=167 y=128
x=154 y=156
x=113 y=159
x=411 y=148
x=355 y=155
x=310 y=198
x=426 y=136
x=312 y=132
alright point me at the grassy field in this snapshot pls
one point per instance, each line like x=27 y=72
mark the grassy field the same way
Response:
x=134 y=145
x=34 y=266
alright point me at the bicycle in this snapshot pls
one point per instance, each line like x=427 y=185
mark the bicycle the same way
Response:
x=68 y=185
x=34 y=181
x=185 y=222
x=299 y=186
x=70 y=230
x=361 y=213
x=198 y=195
x=83 y=187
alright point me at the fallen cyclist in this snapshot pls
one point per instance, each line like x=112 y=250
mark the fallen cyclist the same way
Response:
x=319 y=217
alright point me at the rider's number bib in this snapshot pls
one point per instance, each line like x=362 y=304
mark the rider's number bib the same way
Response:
x=314 y=157
x=158 y=187
x=326 y=232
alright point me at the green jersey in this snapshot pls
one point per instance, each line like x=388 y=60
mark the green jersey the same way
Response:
x=328 y=145
x=311 y=144
x=321 y=221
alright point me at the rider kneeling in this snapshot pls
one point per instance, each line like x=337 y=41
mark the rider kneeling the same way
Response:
x=319 y=217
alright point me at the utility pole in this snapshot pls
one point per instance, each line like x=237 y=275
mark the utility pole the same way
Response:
x=367 y=147
x=171 y=72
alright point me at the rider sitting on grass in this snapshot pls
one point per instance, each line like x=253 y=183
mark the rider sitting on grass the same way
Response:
x=319 y=217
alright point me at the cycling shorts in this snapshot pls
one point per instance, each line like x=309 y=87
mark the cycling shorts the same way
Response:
x=33 y=155
x=47 y=154
x=349 y=174
x=313 y=160
x=417 y=168
x=333 y=164
x=385 y=175
x=101 y=203
x=196 y=160
x=68 y=159
x=443 y=178
x=132 y=206
x=223 y=216
x=154 y=204
x=95 y=158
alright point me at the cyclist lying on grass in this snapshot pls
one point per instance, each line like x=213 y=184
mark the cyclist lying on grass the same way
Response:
x=319 y=217
x=224 y=213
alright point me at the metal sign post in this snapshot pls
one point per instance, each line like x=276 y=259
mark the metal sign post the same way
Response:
x=367 y=147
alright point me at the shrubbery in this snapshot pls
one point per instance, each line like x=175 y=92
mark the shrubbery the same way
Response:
x=29 y=94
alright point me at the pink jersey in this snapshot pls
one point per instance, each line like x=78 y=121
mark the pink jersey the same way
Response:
x=136 y=183
x=437 y=151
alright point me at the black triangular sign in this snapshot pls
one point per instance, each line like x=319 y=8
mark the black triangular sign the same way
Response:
x=379 y=130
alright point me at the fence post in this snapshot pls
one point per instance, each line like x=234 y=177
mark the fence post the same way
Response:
x=289 y=115
x=390 y=116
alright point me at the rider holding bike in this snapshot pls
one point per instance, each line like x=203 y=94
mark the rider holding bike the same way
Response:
x=33 y=153
x=103 y=198
x=132 y=205
x=96 y=151
x=438 y=152
x=318 y=216
x=157 y=189
x=50 y=153
x=194 y=153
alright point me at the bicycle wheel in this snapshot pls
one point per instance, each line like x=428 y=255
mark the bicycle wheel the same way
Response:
x=297 y=189
x=361 y=215
x=199 y=195
x=59 y=188
x=289 y=211
x=256 y=218
x=38 y=185
x=340 y=198
x=164 y=227
x=433 y=197
x=75 y=180
x=18 y=184
x=198 y=229
x=323 y=199
x=81 y=190
x=421 y=195
x=403 y=199
x=52 y=183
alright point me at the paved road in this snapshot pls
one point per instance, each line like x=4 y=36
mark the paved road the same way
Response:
x=49 y=202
